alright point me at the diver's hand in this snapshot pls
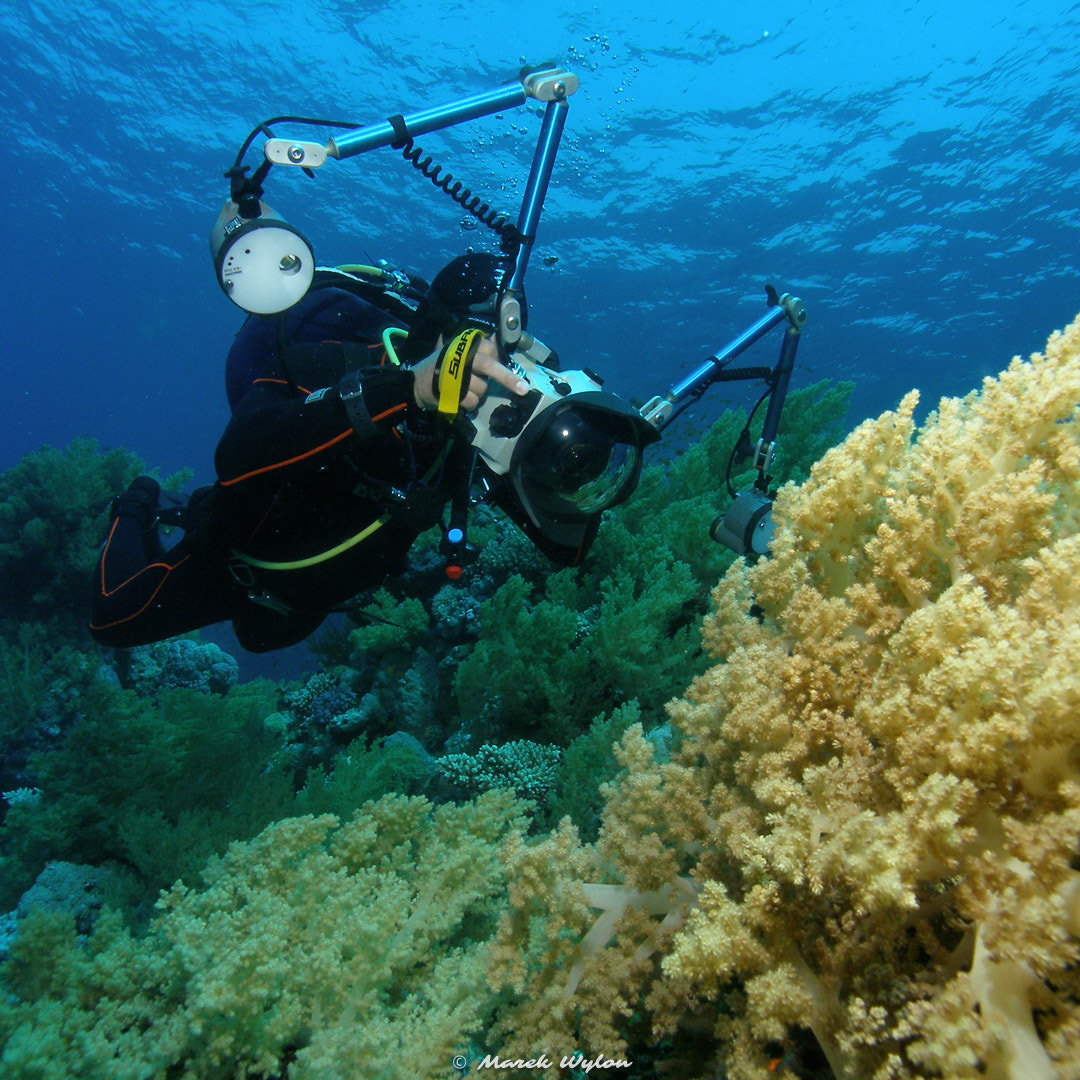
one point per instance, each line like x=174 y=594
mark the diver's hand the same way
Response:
x=486 y=367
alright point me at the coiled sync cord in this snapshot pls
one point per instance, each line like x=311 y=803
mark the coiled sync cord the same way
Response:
x=499 y=223
x=509 y=237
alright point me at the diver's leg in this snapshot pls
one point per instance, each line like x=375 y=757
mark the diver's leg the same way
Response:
x=142 y=593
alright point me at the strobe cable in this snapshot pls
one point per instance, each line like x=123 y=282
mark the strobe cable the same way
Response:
x=499 y=223
x=742 y=448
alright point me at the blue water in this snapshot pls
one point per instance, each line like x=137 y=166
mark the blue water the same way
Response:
x=909 y=169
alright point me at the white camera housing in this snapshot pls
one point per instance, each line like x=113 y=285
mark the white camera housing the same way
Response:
x=495 y=436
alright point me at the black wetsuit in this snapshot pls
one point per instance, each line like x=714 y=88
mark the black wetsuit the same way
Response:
x=296 y=484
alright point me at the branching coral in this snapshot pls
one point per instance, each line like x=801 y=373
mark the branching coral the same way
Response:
x=877 y=793
x=525 y=767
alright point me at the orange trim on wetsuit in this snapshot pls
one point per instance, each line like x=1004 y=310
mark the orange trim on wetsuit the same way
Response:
x=390 y=412
x=105 y=591
x=280 y=382
x=289 y=461
x=281 y=428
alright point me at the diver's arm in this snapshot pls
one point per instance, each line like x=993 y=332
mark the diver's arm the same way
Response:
x=286 y=428
x=278 y=434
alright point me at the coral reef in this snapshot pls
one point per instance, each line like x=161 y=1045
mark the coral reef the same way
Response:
x=869 y=831
x=527 y=768
x=41 y=683
x=123 y=776
x=182 y=663
x=359 y=773
x=585 y=766
x=319 y=949
x=454 y=611
x=860 y=833
x=80 y=891
x=391 y=625
x=156 y=784
x=324 y=706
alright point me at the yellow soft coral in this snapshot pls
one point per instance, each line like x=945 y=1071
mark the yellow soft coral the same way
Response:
x=877 y=795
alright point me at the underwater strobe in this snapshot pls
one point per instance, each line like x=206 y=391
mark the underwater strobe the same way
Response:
x=747 y=525
x=263 y=264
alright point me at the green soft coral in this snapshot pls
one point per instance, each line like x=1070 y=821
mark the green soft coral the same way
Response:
x=53 y=512
x=870 y=829
x=525 y=677
x=555 y=652
x=38 y=676
x=129 y=781
x=390 y=625
x=338 y=948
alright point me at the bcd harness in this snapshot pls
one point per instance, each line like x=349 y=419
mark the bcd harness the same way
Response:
x=386 y=290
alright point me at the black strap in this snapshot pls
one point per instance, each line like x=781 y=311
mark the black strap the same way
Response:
x=401 y=132
x=294 y=390
x=352 y=397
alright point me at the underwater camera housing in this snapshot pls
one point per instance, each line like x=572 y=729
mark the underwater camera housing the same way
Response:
x=567 y=449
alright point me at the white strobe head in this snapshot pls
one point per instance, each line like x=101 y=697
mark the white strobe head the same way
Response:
x=263 y=264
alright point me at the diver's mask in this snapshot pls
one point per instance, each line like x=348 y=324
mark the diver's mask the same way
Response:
x=565 y=451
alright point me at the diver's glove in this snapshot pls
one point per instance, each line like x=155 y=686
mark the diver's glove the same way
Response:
x=205 y=520
x=139 y=502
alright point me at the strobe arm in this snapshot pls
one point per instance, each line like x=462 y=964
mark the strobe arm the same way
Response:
x=546 y=83
x=746 y=527
x=663 y=408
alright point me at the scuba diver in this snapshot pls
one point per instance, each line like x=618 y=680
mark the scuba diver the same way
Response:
x=366 y=402
x=350 y=435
